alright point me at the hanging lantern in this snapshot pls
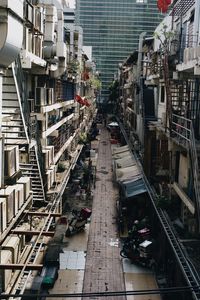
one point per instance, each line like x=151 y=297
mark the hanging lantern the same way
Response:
x=162 y=5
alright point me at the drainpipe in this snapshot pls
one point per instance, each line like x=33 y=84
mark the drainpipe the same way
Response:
x=139 y=107
x=139 y=62
x=197 y=21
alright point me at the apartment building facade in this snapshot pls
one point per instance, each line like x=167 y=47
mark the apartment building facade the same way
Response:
x=158 y=105
x=42 y=65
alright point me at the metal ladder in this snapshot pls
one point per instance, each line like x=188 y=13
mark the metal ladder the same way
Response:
x=190 y=275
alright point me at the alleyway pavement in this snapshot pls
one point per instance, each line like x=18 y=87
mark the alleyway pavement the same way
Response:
x=103 y=270
x=90 y=261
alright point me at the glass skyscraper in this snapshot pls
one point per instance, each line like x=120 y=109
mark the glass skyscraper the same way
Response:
x=112 y=28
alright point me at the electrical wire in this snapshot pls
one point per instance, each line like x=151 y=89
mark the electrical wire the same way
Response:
x=107 y=294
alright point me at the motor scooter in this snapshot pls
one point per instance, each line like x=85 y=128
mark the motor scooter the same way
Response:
x=78 y=221
x=138 y=253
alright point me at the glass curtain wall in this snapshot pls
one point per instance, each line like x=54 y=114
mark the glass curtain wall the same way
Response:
x=112 y=28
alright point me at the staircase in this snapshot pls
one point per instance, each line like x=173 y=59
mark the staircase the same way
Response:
x=32 y=170
x=14 y=127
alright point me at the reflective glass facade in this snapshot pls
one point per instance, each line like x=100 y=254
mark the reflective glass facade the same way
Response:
x=112 y=28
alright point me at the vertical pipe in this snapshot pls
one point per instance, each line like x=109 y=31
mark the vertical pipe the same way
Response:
x=1 y=87
x=196 y=21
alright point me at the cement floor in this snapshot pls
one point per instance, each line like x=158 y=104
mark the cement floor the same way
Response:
x=96 y=265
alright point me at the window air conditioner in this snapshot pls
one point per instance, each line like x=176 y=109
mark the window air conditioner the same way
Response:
x=40 y=96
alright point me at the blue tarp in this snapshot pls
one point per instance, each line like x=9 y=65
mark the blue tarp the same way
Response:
x=133 y=187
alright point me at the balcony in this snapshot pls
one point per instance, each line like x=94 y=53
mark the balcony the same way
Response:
x=189 y=55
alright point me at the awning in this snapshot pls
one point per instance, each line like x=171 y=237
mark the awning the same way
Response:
x=128 y=173
x=120 y=149
x=133 y=187
x=121 y=155
x=124 y=162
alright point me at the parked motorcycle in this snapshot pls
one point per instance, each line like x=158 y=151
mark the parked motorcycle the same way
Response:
x=78 y=221
x=139 y=253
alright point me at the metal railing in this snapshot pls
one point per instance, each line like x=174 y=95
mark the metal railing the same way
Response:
x=21 y=93
x=22 y=88
x=182 y=130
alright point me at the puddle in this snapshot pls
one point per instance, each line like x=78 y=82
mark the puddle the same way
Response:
x=114 y=242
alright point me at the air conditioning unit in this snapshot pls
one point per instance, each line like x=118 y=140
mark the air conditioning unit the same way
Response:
x=40 y=96
x=37 y=18
x=37 y=45
x=6 y=258
x=3 y=215
x=12 y=243
x=11 y=160
x=9 y=195
x=25 y=181
x=50 y=96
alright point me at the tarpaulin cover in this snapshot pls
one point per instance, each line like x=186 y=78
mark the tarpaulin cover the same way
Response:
x=124 y=162
x=120 y=149
x=128 y=173
x=121 y=154
x=133 y=187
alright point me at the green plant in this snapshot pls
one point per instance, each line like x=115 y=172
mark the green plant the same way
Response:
x=95 y=83
x=165 y=37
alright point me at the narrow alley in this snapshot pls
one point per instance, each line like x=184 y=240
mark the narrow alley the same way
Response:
x=90 y=261
x=103 y=258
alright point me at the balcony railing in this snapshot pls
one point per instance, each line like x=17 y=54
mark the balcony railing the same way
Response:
x=63 y=136
x=187 y=41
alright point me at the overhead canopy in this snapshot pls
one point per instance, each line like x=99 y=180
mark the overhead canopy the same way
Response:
x=121 y=154
x=124 y=162
x=128 y=173
x=120 y=149
x=133 y=187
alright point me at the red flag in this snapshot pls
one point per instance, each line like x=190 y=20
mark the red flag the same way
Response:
x=87 y=103
x=79 y=99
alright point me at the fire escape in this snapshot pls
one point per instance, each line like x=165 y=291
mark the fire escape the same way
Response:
x=19 y=128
